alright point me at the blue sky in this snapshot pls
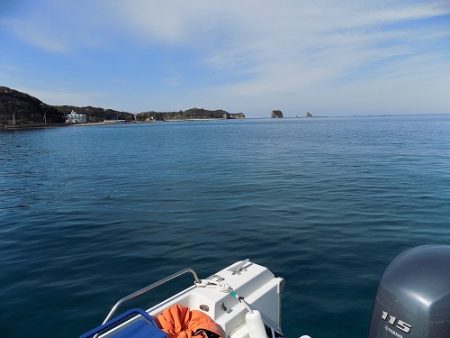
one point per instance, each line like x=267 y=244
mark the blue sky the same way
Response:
x=346 y=57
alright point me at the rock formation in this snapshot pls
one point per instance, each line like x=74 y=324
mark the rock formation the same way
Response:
x=308 y=114
x=237 y=116
x=277 y=114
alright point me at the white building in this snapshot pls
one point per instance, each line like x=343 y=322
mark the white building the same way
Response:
x=74 y=117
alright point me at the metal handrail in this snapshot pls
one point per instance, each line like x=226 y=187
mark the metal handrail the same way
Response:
x=148 y=288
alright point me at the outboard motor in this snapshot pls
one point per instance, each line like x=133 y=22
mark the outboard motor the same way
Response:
x=413 y=298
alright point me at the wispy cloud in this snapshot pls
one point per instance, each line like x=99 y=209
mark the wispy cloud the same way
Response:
x=265 y=53
x=39 y=34
x=170 y=22
x=314 y=54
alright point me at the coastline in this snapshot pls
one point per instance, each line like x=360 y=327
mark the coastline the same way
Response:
x=103 y=123
x=36 y=126
x=19 y=110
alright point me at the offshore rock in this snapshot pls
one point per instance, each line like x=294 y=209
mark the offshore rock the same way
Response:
x=277 y=114
x=308 y=114
x=237 y=116
x=18 y=109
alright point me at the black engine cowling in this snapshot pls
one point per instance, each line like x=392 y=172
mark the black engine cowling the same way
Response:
x=413 y=298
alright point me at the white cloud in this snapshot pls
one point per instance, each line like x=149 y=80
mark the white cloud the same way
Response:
x=171 y=22
x=308 y=58
x=42 y=37
x=273 y=52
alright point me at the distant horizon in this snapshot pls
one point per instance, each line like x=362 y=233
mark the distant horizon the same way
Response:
x=267 y=116
x=338 y=116
x=253 y=57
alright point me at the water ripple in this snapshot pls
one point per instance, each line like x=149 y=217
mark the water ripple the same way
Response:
x=90 y=214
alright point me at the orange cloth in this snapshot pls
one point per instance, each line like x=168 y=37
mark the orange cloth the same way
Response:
x=180 y=322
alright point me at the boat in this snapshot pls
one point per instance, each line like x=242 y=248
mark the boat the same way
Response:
x=244 y=301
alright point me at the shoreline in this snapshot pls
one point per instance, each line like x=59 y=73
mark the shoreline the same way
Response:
x=103 y=123
x=115 y=122
x=36 y=126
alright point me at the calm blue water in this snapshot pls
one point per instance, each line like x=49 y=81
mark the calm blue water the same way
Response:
x=89 y=214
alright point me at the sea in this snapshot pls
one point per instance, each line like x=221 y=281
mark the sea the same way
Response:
x=89 y=214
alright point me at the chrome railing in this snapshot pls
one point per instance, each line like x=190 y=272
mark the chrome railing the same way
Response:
x=148 y=288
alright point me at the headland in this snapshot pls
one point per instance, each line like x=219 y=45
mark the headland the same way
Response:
x=20 y=110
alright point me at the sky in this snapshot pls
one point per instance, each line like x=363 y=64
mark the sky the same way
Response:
x=341 y=57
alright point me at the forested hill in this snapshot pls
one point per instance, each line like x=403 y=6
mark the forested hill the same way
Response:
x=97 y=114
x=20 y=109
x=190 y=114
